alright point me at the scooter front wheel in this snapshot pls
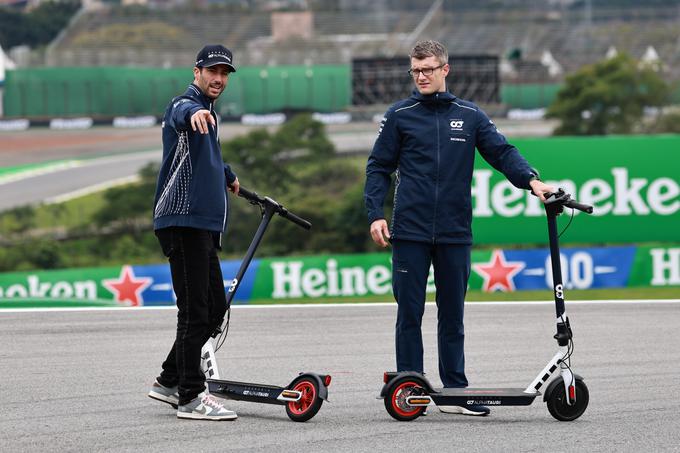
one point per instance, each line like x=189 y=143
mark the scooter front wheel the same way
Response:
x=310 y=402
x=395 y=400
x=558 y=406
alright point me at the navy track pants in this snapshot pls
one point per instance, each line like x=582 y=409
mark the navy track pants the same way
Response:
x=410 y=269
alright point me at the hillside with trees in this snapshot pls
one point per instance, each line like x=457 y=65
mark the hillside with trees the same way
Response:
x=296 y=165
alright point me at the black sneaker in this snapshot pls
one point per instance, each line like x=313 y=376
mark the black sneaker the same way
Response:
x=470 y=409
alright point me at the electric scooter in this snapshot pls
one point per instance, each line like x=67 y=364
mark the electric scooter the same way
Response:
x=407 y=394
x=305 y=394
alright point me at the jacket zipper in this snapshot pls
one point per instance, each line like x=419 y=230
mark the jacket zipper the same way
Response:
x=394 y=201
x=436 y=180
x=226 y=202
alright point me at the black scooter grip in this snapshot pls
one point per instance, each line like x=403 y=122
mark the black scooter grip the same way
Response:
x=580 y=206
x=295 y=219
x=253 y=197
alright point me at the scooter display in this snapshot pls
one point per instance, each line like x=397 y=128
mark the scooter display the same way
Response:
x=407 y=394
x=305 y=394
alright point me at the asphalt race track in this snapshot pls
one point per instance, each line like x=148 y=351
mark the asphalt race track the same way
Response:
x=68 y=181
x=117 y=154
x=77 y=380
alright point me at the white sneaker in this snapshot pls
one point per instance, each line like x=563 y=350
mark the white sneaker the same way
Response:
x=473 y=409
x=205 y=407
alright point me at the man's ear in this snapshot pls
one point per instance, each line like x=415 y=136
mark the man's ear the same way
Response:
x=445 y=69
x=197 y=71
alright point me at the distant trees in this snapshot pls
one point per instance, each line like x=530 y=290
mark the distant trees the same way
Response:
x=36 y=27
x=295 y=164
x=608 y=97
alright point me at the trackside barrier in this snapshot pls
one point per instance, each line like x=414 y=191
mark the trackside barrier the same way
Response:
x=336 y=277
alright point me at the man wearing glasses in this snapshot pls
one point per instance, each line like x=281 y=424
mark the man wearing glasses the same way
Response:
x=429 y=141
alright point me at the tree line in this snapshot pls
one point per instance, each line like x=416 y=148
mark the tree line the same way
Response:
x=36 y=27
x=296 y=165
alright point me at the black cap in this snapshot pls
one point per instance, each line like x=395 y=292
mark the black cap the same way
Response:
x=214 y=54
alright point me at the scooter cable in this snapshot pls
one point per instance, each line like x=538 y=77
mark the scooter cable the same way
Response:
x=570 y=352
x=565 y=228
x=222 y=337
x=566 y=359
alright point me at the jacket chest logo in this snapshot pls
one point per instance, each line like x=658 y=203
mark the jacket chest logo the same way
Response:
x=456 y=125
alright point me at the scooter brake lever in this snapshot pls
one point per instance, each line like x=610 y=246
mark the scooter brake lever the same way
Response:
x=557 y=197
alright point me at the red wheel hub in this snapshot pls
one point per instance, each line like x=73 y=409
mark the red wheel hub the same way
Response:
x=308 y=396
x=403 y=391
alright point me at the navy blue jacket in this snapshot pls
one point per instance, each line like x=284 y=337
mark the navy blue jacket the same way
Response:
x=192 y=182
x=430 y=141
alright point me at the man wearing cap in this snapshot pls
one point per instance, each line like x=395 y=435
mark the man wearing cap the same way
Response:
x=190 y=216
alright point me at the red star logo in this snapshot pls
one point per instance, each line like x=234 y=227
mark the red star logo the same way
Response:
x=498 y=273
x=127 y=287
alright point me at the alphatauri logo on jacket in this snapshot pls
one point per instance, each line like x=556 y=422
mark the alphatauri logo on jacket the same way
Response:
x=456 y=125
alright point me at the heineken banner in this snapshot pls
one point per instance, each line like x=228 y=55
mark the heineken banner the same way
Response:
x=324 y=278
x=633 y=182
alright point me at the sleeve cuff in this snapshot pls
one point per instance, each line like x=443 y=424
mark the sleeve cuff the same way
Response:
x=533 y=176
x=374 y=217
x=230 y=175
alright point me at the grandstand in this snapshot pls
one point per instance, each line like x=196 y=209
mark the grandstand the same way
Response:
x=326 y=56
x=169 y=37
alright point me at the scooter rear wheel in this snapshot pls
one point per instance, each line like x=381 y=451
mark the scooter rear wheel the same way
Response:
x=395 y=400
x=310 y=402
x=557 y=401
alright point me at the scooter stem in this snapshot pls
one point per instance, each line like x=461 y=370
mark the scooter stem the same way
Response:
x=268 y=213
x=552 y=211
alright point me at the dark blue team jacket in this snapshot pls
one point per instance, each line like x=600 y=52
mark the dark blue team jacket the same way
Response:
x=191 y=188
x=430 y=141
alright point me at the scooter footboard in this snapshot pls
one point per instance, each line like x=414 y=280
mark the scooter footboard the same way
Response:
x=243 y=391
x=483 y=396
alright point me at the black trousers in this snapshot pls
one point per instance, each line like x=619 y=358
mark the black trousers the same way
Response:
x=410 y=268
x=201 y=304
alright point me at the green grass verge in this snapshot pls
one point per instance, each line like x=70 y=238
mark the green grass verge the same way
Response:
x=70 y=214
x=18 y=169
x=73 y=213
x=42 y=303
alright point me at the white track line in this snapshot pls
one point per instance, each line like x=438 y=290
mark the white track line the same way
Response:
x=347 y=305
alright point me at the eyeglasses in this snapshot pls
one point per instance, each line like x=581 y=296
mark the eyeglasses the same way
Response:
x=424 y=71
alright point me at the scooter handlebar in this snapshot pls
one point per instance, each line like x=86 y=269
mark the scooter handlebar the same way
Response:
x=580 y=206
x=562 y=198
x=295 y=219
x=254 y=198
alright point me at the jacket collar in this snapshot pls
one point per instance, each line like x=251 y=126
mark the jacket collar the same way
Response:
x=440 y=97
x=196 y=93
